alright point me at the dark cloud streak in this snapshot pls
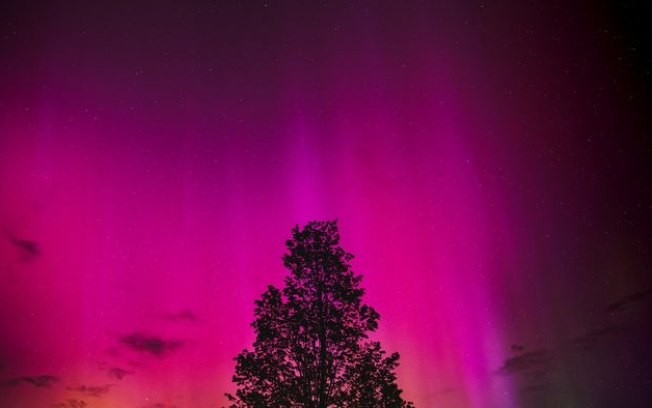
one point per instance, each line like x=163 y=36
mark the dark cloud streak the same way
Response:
x=159 y=405
x=629 y=301
x=39 y=381
x=517 y=348
x=30 y=249
x=92 y=390
x=588 y=340
x=153 y=345
x=118 y=373
x=537 y=360
x=71 y=403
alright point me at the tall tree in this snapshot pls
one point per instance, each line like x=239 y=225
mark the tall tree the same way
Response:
x=312 y=349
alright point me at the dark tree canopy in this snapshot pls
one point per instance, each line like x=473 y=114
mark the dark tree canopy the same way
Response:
x=311 y=348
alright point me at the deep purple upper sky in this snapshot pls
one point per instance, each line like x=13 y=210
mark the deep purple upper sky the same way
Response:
x=488 y=165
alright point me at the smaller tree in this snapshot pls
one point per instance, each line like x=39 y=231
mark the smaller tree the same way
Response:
x=312 y=349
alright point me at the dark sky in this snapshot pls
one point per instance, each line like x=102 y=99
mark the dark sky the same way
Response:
x=488 y=163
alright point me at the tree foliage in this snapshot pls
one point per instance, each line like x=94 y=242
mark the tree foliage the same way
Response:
x=312 y=349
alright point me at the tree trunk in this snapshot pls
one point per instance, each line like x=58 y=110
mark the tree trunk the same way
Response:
x=322 y=348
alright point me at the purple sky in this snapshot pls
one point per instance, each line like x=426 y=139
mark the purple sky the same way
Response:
x=488 y=165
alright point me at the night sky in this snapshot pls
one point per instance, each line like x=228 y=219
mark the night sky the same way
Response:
x=488 y=164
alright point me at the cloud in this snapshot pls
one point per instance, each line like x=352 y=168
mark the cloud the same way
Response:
x=589 y=339
x=184 y=315
x=92 y=391
x=530 y=362
x=159 y=405
x=114 y=371
x=39 y=381
x=153 y=345
x=71 y=403
x=28 y=248
x=629 y=301
x=517 y=348
x=118 y=373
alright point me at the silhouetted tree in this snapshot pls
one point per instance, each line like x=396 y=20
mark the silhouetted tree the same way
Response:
x=311 y=348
